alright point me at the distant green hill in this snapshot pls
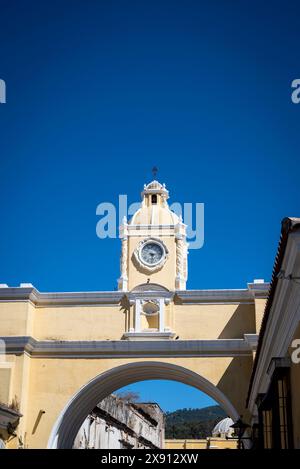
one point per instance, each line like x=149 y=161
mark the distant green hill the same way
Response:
x=193 y=423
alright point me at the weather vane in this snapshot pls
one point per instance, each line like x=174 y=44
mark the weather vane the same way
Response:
x=154 y=171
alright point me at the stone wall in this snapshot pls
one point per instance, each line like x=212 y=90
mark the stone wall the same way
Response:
x=116 y=424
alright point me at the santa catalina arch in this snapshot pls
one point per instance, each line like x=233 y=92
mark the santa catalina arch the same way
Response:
x=67 y=351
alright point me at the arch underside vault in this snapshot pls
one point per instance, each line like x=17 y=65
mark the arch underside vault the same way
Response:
x=81 y=404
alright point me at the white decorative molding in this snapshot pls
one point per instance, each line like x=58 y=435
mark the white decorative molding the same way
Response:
x=123 y=280
x=181 y=256
x=155 y=187
x=159 y=309
x=142 y=264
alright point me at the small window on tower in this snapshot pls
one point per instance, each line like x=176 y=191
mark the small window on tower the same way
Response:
x=154 y=199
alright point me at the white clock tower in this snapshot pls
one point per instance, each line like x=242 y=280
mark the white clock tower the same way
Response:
x=154 y=247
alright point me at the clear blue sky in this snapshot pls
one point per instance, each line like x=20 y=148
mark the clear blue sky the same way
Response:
x=100 y=91
x=170 y=395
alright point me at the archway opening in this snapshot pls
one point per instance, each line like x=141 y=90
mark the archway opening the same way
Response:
x=155 y=414
x=84 y=401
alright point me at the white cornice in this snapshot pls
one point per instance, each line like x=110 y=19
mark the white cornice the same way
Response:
x=259 y=290
x=60 y=298
x=127 y=348
x=114 y=297
x=214 y=296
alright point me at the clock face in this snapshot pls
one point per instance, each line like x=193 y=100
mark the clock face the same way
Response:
x=152 y=253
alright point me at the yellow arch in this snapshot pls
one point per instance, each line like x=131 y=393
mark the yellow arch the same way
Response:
x=72 y=416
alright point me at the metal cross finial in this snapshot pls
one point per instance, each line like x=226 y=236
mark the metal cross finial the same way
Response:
x=154 y=171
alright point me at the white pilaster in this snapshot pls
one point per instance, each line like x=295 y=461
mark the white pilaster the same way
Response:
x=181 y=256
x=123 y=280
x=137 y=322
x=161 y=314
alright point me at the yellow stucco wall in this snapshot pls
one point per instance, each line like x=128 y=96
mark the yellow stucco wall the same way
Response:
x=79 y=323
x=16 y=318
x=209 y=443
x=228 y=321
x=222 y=443
x=260 y=305
x=101 y=322
x=48 y=384
x=186 y=444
